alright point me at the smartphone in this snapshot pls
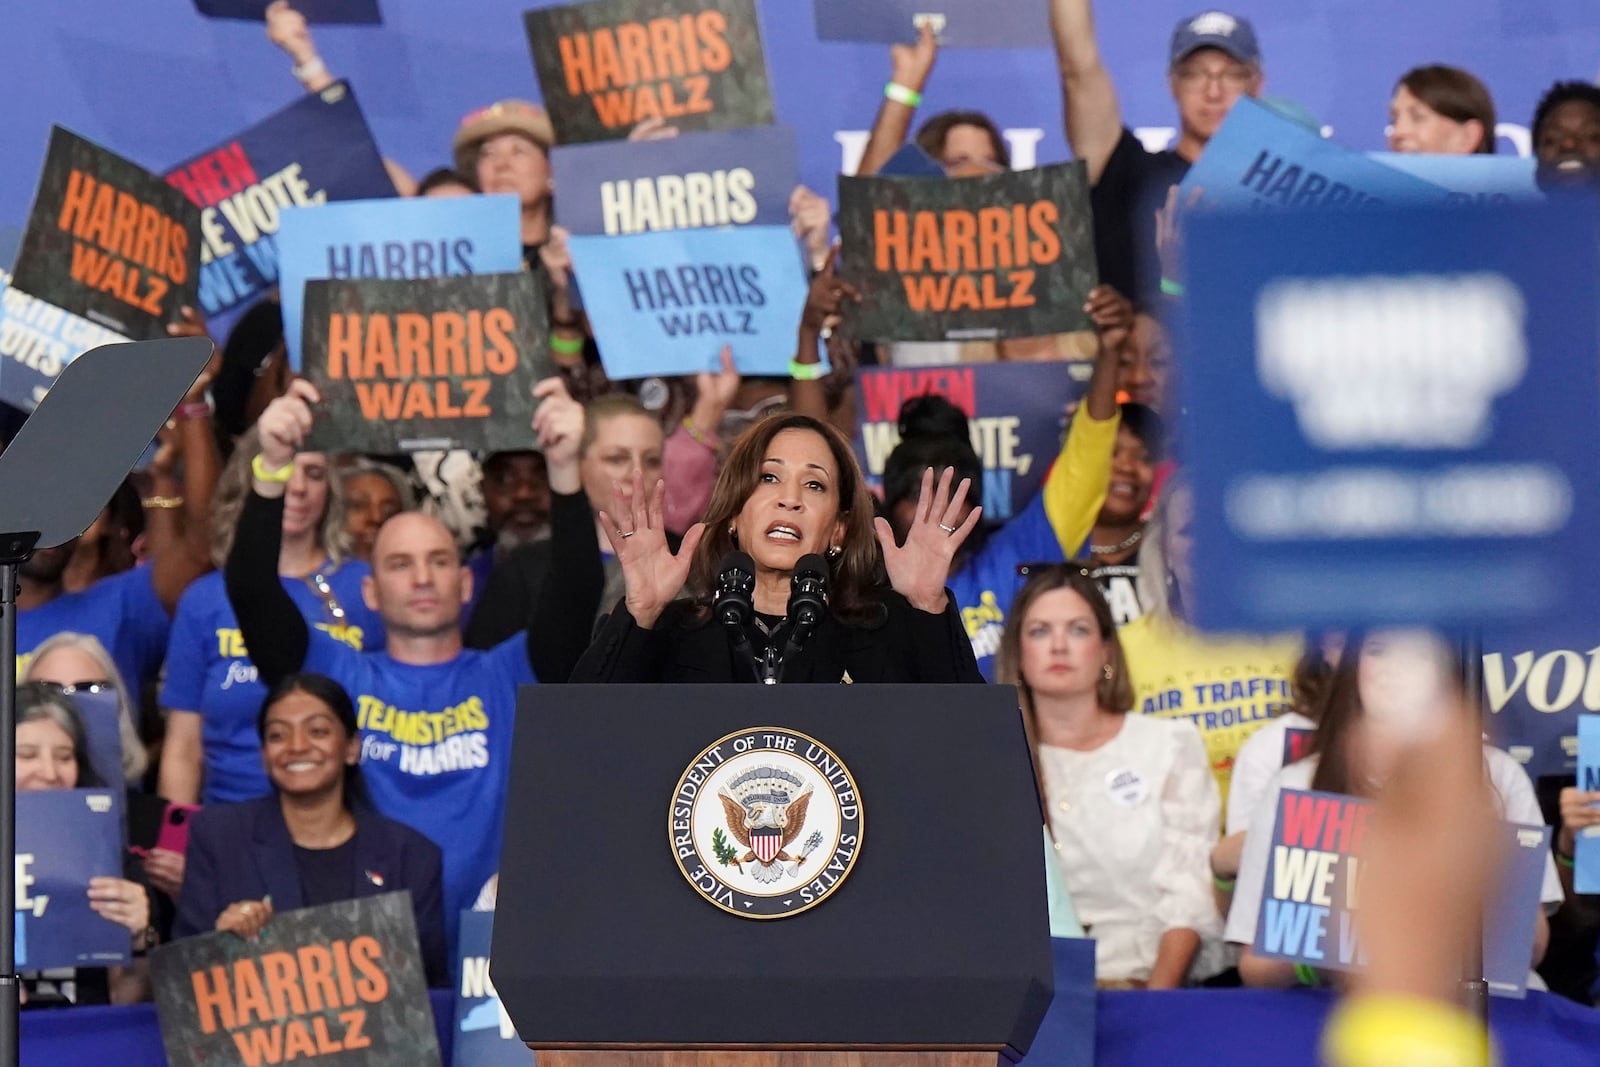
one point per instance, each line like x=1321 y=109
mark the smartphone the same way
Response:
x=174 y=834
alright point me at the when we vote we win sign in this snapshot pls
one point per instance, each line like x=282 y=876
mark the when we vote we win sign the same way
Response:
x=1308 y=906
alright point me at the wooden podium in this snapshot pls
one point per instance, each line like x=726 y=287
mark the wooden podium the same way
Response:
x=932 y=949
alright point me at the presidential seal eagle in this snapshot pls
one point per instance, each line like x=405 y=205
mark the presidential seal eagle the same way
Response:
x=766 y=811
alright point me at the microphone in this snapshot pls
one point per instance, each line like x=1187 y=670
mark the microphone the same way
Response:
x=808 y=599
x=735 y=606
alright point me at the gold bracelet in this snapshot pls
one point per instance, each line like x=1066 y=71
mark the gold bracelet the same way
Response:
x=258 y=467
x=162 y=502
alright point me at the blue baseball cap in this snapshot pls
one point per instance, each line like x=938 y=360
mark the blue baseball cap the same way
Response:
x=1215 y=29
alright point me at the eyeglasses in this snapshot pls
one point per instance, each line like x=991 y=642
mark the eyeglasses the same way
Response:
x=71 y=688
x=1229 y=77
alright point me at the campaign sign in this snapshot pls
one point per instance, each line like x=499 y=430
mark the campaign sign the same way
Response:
x=1586 y=873
x=109 y=241
x=485 y=1036
x=315 y=150
x=102 y=727
x=1510 y=919
x=1371 y=442
x=64 y=838
x=343 y=978
x=666 y=303
x=1260 y=159
x=1015 y=414
x=437 y=363
x=732 y=178
x=326 y=11
x=1474 y=179
x=607 y=65
x=957 y=23
x=1537 y=683
x=1297 y=744
x=419 y=237
x=1004 y=255
x=38 y=340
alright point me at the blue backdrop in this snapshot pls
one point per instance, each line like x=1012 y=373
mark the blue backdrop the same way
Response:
x=158 y=83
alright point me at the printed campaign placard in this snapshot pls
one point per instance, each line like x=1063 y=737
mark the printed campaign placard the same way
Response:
x=607 y=65
x=1016 y=415
x=485 y=1036
x=666 y=303
x=102 y=726
x=1474 y=179
x=436 y=363
x=1259 y=159
x=1297 y=744
x=1537 y=683
x=343 y=978
x=328 y=11
x=109 y=241
x=38 y=340
x=1310 y=896
x=1586 y=872
x=64 y=838
x=419 y=237
x=731 y=178
x=1370 y=442
x=957 y=23
x=1004 y=255
x=317 y=149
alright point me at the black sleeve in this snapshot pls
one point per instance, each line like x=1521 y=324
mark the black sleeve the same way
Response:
x=623 y=651
x=935 y=648
x=560 y=622
x=273 y=629
x=505 y=601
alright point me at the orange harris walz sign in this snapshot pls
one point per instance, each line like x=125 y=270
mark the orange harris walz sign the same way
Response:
x=608 y=65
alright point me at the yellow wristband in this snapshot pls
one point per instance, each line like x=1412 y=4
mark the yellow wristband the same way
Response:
x=258 y=467
x=1379 y=1029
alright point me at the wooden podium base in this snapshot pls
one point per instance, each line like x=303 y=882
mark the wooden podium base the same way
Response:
x=767 y=1057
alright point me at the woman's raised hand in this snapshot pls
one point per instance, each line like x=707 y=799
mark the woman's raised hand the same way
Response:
x=919 y=568
x=636 y=528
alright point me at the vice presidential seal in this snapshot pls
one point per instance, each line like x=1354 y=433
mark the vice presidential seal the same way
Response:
x=766 y=823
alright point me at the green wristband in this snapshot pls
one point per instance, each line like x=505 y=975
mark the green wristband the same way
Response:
x=901 y=94
x=1567 y=861
x=807 y=372
x=1171 y=288
x=566 y=346
x=1306 y=975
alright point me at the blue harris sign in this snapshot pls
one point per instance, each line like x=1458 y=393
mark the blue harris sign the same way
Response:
x=672 y=300
x=414 y=238
x=1475 y=179
x=484 y=1035
x=693 y=181
x=315 y=150
x=1372 y=442
x=1259 y=159
x=958 y=23
x=64 y=838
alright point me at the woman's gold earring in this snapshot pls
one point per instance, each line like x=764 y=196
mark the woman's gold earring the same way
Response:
x=1108 y=672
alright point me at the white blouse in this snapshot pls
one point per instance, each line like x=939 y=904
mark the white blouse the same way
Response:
x=1134 y=822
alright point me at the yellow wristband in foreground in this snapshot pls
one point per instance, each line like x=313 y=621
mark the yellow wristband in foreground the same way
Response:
x=259 y=468
x=1400 y=1031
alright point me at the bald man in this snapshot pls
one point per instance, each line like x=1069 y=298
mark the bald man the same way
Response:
x=435 y=717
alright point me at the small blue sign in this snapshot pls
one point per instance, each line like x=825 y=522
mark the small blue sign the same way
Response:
x=360 y=12
x=693 y=181
x=1512 y=914
x=1259 y=159
x=64 y=838
x=672 y=300
x=37 y=341
x=421 y=237
x=1586 y=872
x=484 y=1034
x=1381 y=434
x=958 y=23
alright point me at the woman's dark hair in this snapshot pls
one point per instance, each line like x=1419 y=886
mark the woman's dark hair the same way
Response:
x=444 y=176
x=931 y=136
x=1562 y=93
x=1341 y=711
x=330 y=693
x=933 y=433
x=1114 y=693
x=1312 y=681
x=39 y=700
x=856 y=573
x=1145 y=423
x=1455 y=94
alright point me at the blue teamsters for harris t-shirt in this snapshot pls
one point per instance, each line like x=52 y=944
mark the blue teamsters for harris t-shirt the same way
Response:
x=436 y=746
x=209 y=671
x=122 y=611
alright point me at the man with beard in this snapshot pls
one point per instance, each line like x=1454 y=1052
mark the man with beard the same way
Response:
x=516 y=506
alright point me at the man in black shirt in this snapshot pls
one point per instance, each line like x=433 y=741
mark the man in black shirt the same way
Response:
x=1214 y=60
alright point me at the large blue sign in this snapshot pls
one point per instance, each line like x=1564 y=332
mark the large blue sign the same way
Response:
x=732 y=178
x=417 y=238
x=484 y=1035
x=1475 y=179
x=64 y=838
x=315 y=150
x=1537 y=684
x=958 y=23
x=1382 y=432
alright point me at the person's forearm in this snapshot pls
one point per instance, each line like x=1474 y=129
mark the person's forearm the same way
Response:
x=889 y=131
x=1102 y=395
x=1173 y=957
x=809 y=396
x=273 y=629
x=1258 y=973
x=202 y=465
x=181 y=763
x=1089 y=100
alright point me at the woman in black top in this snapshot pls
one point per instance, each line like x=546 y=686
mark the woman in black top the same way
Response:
x=315 y=840
x=790 y=487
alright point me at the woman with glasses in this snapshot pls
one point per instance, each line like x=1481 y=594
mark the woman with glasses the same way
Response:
x=211 y=693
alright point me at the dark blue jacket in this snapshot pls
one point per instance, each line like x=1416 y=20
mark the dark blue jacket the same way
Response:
x=244 y=852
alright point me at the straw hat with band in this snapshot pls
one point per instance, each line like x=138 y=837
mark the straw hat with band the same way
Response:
x=506 y=116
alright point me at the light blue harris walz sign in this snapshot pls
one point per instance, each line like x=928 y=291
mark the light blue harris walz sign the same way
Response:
x=1389 y=415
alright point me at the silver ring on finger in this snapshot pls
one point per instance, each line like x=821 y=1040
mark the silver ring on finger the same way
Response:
x=947 y=529
x=628 y=533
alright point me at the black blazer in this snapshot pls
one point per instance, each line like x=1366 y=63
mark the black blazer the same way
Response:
x=904 y=645
x=244 y=852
